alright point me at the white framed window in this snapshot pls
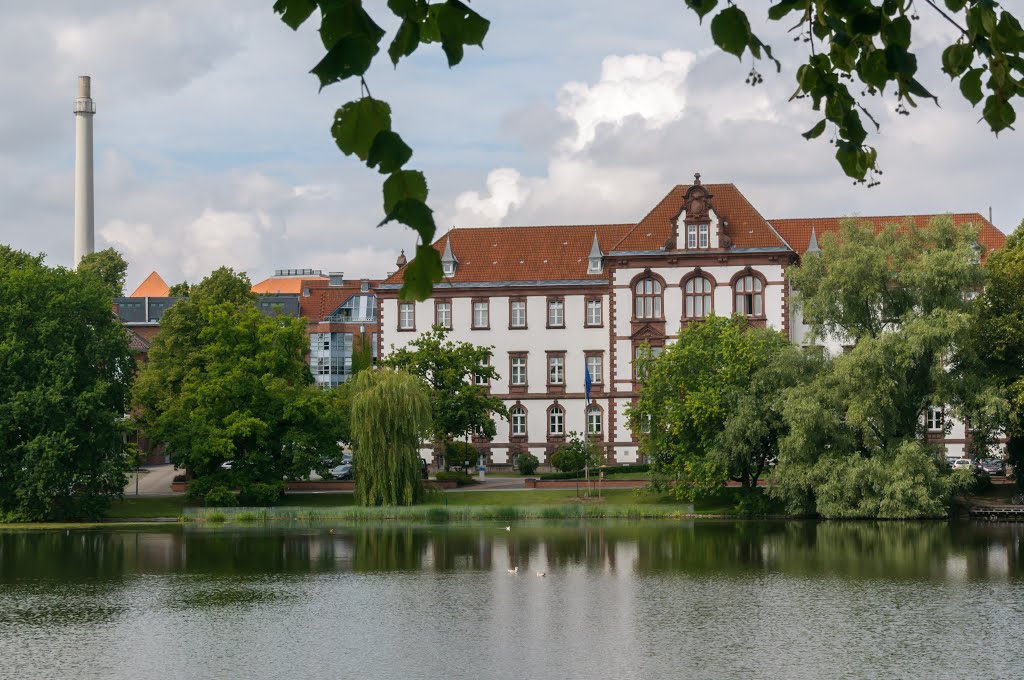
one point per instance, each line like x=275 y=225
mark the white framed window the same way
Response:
x=702 y=236
x=556 y=313
x=406 y=316
x=443 y=314
x=481 y=315
x=482 y=380
x=556 y=370
x=594 y=265
x=517 y=314
x=595 y=366
x=594 y=315
x=691 y=236
x=517 y=416
x=749 y=296
x=448 y=267
x=640 y=351
x=647 y=293
x=518 y=372
x=935 y=420
x=697 y=298
x=594 y=421
x=556 y=420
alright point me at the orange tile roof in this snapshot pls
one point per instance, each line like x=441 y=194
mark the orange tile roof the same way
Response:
x=798 y=231
x=747 y=228
x=552 y=253
x=286 y=284
x=153 y=286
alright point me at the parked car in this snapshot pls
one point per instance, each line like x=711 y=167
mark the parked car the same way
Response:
x=994 y=466
x=343 y=471
x=950 y=460
x=962 y=464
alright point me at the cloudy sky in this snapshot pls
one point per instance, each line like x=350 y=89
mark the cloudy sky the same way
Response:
x=213 y=145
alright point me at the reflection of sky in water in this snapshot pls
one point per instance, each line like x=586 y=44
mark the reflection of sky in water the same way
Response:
x=656 y=599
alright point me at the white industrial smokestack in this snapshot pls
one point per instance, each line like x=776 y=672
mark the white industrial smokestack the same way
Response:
x=85 y=109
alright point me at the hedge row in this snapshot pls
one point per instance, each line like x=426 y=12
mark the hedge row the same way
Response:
x=608 y=470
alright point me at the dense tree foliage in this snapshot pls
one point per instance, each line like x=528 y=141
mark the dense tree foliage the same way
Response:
x=109 y=266
x=856 y=445
x=390 y=416
x=998 y=337
x=179 y=289
x=65 y=379
x=688 y=395
x=459 y=406
x=856 y=49
x=577 y=453
x=226 y=383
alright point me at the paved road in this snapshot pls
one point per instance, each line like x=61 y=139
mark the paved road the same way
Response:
x=154 y=480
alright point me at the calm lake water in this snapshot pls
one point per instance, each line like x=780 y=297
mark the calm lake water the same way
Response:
x=704 y=599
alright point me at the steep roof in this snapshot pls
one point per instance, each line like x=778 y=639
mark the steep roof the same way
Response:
x=286 y=284
x=153 y=286
x=798 y=231
x=552 y=253
x=747 y=228
x=324 y=299
x=137 y=343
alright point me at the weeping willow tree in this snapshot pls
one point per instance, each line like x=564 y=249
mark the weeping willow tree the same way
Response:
x=390 y=413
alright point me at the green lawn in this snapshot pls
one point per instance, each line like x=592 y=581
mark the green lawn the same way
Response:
x=144 y=507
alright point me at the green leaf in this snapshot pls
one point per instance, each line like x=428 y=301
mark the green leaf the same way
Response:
x=458 y=25
x=344 y=19
x=350 y=56
x=421 y=274
x=998 y=113
x=873 y=69
x=900 y=61
x=701 y=7
x=357 y=123
x=730 y=30
x=956 y=59
x=407 y=39
x=913 y=86
x=897 y=32
x=970 y=86
x=404 y=184
x=294 y=12
x=776 y=12
x=816 y=130
x=867 y=23
x=409 y=10
x=389 y=151
x=416 y=214
x=852 y=159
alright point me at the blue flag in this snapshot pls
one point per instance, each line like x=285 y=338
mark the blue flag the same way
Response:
x=586 y=381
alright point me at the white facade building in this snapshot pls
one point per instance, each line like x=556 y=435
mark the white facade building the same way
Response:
x=552 y=300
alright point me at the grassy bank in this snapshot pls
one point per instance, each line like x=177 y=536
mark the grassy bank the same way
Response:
x=462 y=505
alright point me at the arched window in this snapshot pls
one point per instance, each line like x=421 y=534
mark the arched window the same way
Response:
x=647 y=294
x=556 y=421
x=697 y=298
x=749 y=295
x=594 y=420
x=517 y=417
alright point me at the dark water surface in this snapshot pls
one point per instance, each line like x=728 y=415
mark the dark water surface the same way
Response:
x=620 y=600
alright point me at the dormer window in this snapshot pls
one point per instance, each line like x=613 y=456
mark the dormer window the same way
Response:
x=448 y=259
x=697 y=236
x=594 y=265
x=595 y=260
x=448 y=268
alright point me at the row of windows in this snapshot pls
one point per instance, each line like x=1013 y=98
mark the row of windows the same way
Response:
x=556 y=369
x=698 y=301
x=482 y=314
x=556 y=421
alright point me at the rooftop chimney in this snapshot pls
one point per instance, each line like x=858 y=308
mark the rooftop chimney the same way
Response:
x=85 y=229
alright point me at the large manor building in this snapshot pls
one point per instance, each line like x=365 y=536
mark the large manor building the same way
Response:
x=555 y=302
x=559 y=301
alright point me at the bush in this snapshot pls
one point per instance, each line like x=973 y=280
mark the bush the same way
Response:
x=608 y=471
x=462 y=478
x=567 y=458
x=262 y=493
x=199 y=487
x=220 y=497
x=527 y=463
x=461 y=455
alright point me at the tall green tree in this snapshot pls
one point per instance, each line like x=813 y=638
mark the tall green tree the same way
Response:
x=459 y=406
x=856 y=51
x=687 y=396
x=998 y=337
x=109 y=266
x=226 y=383
x=179 y=289
x=65 y=378
x=856 y=445
x=390 y=416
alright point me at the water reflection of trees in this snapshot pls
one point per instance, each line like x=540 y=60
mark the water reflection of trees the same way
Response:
x=852 y=549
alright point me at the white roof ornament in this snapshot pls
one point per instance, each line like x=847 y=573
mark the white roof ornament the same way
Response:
x=812 y=247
